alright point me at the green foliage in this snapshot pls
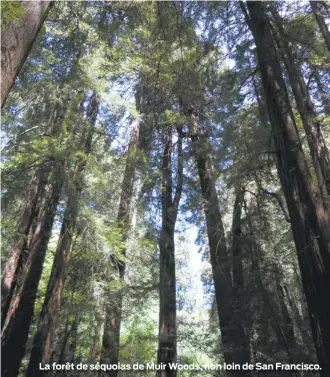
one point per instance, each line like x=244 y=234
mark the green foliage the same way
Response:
x=10 y=11
x=162 y=61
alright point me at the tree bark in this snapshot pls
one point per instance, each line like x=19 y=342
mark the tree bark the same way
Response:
x=232 y=332
x=167 y=348
x=19 y=253
x=96 y=344
x=315 y=5
x=308 y=214
x=319 y=151
x=20 y=313
x=67 y=331
x=111 y=335
x=43 y=340
x=238 y=305
x=17 y=40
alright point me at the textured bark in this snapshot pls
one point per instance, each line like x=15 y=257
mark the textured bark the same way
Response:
x=17 y=40
x=238 y=304
x=167 y=348
x=96 y=344
x=319 y=152
x=66 y=336
x=72 y=348
x=16 y=264
x=20 y=314
x=231 y=332
x=309 y=217
x=43 y=340
x=111 y=335
x=316 y=7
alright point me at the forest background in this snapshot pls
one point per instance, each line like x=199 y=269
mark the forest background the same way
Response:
x=165 y=185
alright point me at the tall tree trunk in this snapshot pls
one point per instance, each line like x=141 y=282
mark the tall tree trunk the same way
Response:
x=238 y=305
x=316 y=8
x=111 y=335
x=20 y=314
x=319 y=151
x=72 y=348
x=232 y=333
x=43 y=340
x=17 y=40
x=18 y=256
x=96 y=344
x=309 y=217
x=167 y=288
x=67 y=331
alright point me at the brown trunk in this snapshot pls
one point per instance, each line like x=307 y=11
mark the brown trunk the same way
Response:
x=167 y=287
x=301 y=325
x=238 y=305
x=111 y=335
x=316 y=8
x=17 y=40
x=18 y=257
x=319 y=152
x=62 y=356
x=96 y=344
x=232 y=332
x=43 y=340
x=20 y=314
x=73 y=342
x=309 y=217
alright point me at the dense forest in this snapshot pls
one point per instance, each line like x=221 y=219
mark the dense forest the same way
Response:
x=165 y=188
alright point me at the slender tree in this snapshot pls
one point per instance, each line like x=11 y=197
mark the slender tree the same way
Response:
x=167 y=349
x=234 y=339
x=317 y=11
x=113 y=307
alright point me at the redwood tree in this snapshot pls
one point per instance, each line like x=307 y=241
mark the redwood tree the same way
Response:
x=308 y=214
x=167 y=349
x=17 y=40
x=43 y=340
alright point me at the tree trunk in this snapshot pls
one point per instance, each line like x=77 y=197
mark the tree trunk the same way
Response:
x=19 y=253
x=96 y=344
x=43 y=340
x=111 y=335
x=167 y=288
x=20 y=313
x=309 y=217
x=238 y=305
x=73 y=342
x=232 y=332
x=17 y=40
x=316 y=5
x=319 y=152
x=67 y=331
